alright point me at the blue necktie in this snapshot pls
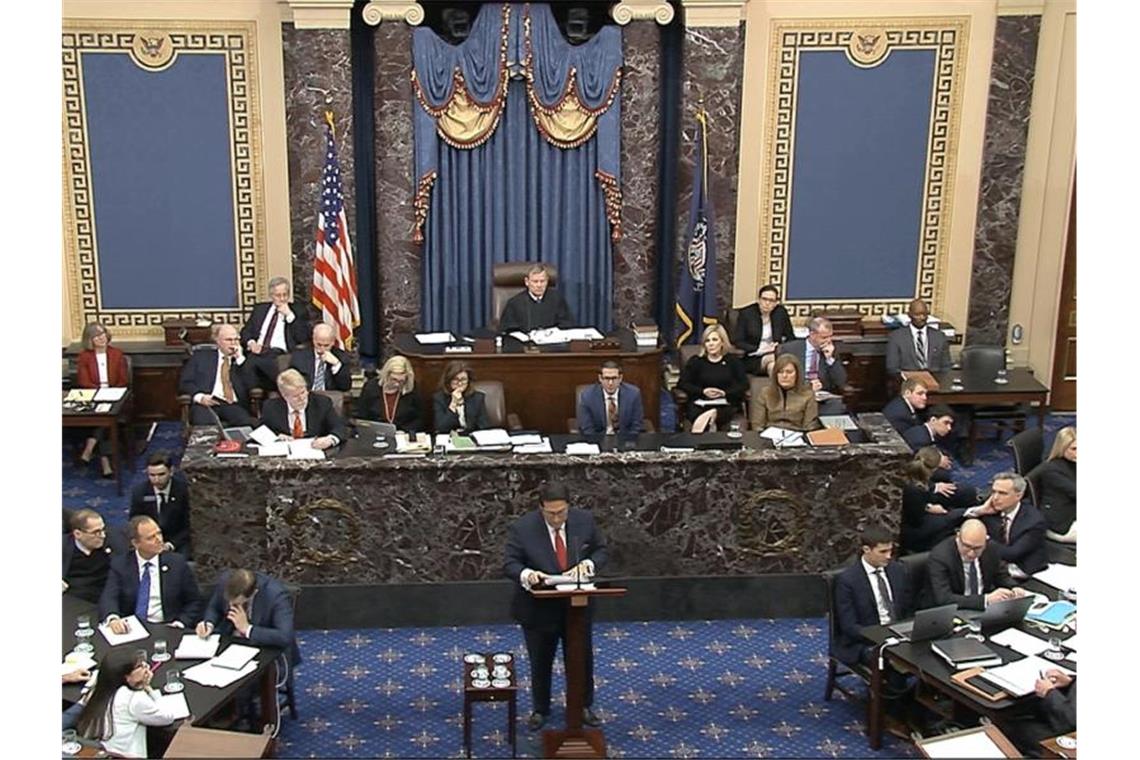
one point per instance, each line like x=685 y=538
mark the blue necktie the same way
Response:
x=142 y=602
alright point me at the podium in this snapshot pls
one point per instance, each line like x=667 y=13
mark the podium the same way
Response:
x=574 y=740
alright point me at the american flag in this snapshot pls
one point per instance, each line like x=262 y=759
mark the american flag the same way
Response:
x=334 y=274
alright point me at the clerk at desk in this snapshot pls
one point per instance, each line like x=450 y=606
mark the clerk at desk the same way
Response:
x=537 y=307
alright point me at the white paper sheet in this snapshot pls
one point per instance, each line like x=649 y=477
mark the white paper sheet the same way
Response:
x=711 y=402
x=582 y=448
x=234 y=657
x=207 y=675
x=784 y=438
x=1060 y=577
x=1019 y=641
x=971 y=744
x=193 y=647
x=525 y=439
x=135 y=632
x=80 y=394
x=175 y=704
x=542 y=447
x=838 y=421
x=275 y=449
x=435 y=338
x=263 y=436
x=492 y=437
x=110 y=394
x=75 y=662
x=302 y=448
x=520 y=336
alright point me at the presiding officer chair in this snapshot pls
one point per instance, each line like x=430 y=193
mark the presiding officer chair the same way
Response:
x=508 y=279
x=572 y=422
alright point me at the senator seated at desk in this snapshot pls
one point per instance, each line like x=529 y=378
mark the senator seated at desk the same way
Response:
x=1057 y=494
x=611 y=406
x=298 y=414
x=715 y=376
x=457 y=405
x=156 y=586
x=274 y=327
x=100 y=365
x=818 y=355
x=323 y=365
x=390 y=397
x=216 y=383
x=963 y=571
x=253 y=607
x=788 y=402
x=165 y=497
x=1016 y=528
x=760 y=328
x=87 y=553
x=538 y=307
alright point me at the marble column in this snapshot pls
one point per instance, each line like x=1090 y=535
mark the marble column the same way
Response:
x=1003 y=168
x=712 y=70
x=318 y=77
x=635 y=255
x=397 y=257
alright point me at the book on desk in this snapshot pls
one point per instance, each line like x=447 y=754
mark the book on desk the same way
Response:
x=962 y=653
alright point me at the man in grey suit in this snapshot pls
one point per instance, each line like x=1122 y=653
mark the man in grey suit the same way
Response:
x=917 y=347
x=819 y=356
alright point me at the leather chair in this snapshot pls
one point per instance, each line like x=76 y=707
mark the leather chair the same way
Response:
x=507 y=280
x=836 y=668
x=496 y=401
x=1028 y=448
x=680 y=398
x=916 y=576
x=984 y=361
x=572 y=422
x=185 y=399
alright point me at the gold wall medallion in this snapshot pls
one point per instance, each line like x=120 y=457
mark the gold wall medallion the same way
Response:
x=153 y=51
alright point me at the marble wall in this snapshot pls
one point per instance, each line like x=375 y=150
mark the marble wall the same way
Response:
x=713 y=71
x=1003 y=168
x=398 y=264
x=318 y=77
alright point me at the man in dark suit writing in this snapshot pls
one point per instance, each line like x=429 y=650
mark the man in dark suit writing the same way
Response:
x=215 y=380
x=961 y=571
x=299 y=414
x=157 y=587
x=165 y=497
x=537 y=307
x=252 y=606
x=873 y=591
x=553 y=540
x=611 y=406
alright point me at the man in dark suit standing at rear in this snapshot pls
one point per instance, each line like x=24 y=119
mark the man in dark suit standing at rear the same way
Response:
x=552 y=540
x=873 y=591
x=611 y=406
x=165 y=497
x=274 y=327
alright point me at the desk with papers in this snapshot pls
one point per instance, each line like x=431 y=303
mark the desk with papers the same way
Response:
x=667 y=504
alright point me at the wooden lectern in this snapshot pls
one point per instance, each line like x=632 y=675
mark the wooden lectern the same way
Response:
x=575 y=741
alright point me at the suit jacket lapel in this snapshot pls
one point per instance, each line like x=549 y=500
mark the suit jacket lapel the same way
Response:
x=543 y=536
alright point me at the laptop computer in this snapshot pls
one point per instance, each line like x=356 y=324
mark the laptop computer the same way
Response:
x=931 y=623
x=1001 y=615
x=380 y=431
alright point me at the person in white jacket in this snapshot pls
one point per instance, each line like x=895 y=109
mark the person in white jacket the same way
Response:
x=122 y=705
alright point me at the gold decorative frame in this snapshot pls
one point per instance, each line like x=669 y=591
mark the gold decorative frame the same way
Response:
x=236 y=41
x=947 y=37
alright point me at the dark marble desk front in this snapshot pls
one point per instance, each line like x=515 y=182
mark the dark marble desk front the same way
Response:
x=367 y=519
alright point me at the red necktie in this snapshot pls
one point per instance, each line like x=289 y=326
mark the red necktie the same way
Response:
x=560 y=550
x=298 y=432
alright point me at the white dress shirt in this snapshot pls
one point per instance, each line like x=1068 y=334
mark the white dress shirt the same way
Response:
x=277 y=339
x=883 y=605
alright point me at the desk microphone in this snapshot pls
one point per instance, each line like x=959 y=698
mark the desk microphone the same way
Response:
x=225 y=444
x=581 y=550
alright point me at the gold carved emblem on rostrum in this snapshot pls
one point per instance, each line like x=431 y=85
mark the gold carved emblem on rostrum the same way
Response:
x=324 y=532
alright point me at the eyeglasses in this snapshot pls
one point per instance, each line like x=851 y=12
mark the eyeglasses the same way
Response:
x=971 y=547
x=96 y=532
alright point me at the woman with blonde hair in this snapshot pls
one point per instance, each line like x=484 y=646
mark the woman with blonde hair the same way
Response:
x=713 y=375
x=1057 y=495
x=100 y=365
x=788 y=401
x=391 y=397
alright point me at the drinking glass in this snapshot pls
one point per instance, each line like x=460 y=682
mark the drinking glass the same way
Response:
x=83 y=634
x=173 y=682
x=160 y=653
x=1054 y=651
x=71 y=743
x=975 y=627
x=734 y=430
x=1001 y=378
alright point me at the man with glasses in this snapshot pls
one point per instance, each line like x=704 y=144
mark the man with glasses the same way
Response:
x=553 y=540
x=299 y=414
x=819 y=356
x=960 y=571
x=760 y=328
x=611 y=406
x=87 y=554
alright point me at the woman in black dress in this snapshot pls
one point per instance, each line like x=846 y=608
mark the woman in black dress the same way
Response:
x=391 y=397
x=1058 y=479
x=712 y=375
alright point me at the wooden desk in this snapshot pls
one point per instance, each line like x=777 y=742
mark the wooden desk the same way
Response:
x=119 y=415
x=1022 y=388
x=155 y=369
x=191 y=741
x=473 y=693
x=1052 y=749
x=539 y=386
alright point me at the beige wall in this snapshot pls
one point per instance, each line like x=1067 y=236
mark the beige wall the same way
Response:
x=274 y=236
x=957 y=249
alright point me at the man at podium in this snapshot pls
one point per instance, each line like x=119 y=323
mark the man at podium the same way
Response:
x=553 y=540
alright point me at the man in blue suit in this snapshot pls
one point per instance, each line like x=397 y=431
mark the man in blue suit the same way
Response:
x=611 y=406
x=217 y=380
x=873 y=591
x=253 y=606
x=158 y=587
x=553 y=540
x=1016 y=528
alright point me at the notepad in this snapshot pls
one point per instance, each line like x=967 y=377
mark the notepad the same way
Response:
x=302 y=448
x=582 y=447
x=110 y=394
x=1055 y=613
x=175 y=705
x=193 y=647
x=234 y=657
x=492 y=437
x=135 y=632
x=435 y=338
x=207 y=675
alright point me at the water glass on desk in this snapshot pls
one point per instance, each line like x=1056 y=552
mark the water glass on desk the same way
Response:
x=975 y=628
x=160 y=653
x=1054 y=651
x=71 y=743
x=734 y=430
x=83 y=634
x=173 y=682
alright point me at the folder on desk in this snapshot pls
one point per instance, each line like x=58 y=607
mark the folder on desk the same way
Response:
x=828 y=437
x=961 y=654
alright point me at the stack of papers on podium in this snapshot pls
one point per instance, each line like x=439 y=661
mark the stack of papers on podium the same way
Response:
x=434 y=339
x=1060 y=577
x=542 y=447
x=492 y=437
x=135 y=631
x=582 y=447
x=110 y=394
x=193 y=647
x=302 y=448
x=553 y=336
x=784 y=438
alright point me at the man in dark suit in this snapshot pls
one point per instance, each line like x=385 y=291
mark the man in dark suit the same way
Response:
x=215 y=380
x=537 y=307
x=300 y=414
x=1016 y=528
x=934 y=432
x=252 y=606
x=611 y=406
x=87 y=553
x=908 y=409
x=552 y=540
x=1053 y=715
x=158 y=587
x=165 y=496
x=873 y=591
x=960 y=571
x=760 y=350
x=819 y=356
x=324 y=366
x=274 y=327
x=916 y=346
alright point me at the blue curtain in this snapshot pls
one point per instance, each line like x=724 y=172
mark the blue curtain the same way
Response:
x=514 y=194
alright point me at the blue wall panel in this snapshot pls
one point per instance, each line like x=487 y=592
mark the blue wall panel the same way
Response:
x=860 y=156
x=162 y=182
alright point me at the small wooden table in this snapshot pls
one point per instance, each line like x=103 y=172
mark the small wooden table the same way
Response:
x=119 y=414
x=490 y=693
x=1022 y=388
x=1052 y=749
x=191 y=741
